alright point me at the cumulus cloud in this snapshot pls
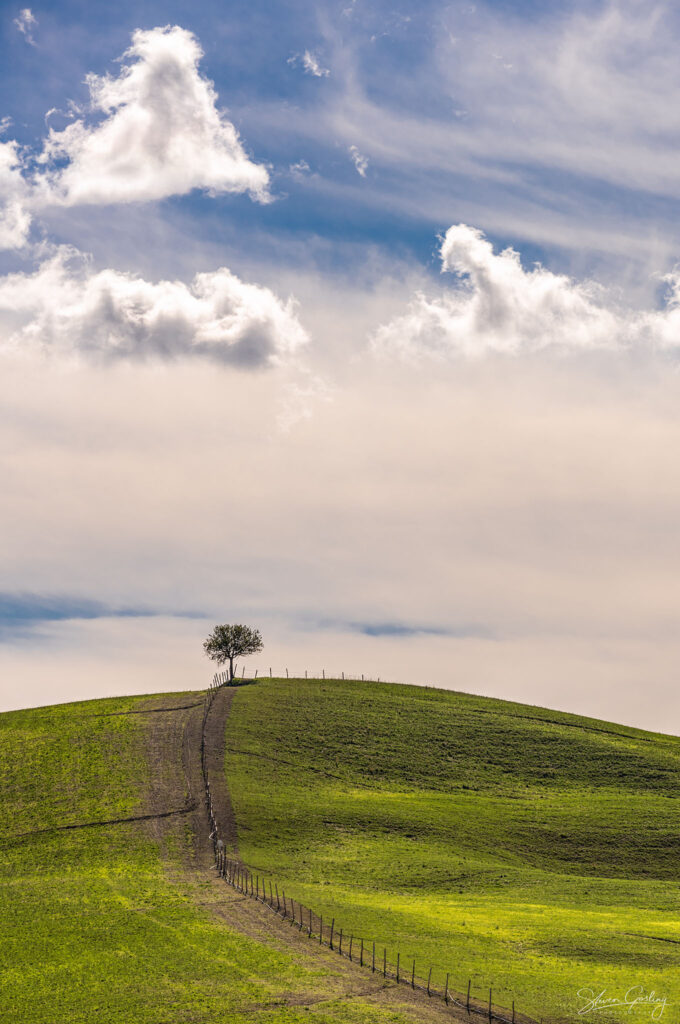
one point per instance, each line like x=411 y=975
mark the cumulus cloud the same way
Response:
x=359 y=161
x=162 y=133
x=69 y=307
x=25 y=21
x=15 y=220
x=500 y=307
x=310 y=64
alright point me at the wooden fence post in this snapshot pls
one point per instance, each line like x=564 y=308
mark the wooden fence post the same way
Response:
x=284 y=902
x=413 y=975
x=332 y=926
x=467 y=1004
x=310 y=923
x=398 y=955
x=513 y=1011
x=351 y=940
x=384 y=961
x=320 y=929
x=446 y=991
x=361 y=954
x=429 y=979
x=373 y=960
x=340 y=946
x=286 y=673
x=489 y=1004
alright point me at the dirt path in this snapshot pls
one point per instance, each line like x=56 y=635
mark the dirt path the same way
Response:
x=173 y=750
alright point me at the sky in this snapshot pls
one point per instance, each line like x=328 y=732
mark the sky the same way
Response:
x=357 y=322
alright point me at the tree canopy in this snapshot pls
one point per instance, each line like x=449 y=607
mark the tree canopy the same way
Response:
x=228 y=642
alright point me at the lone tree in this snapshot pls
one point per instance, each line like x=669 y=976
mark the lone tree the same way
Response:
x=228 y=642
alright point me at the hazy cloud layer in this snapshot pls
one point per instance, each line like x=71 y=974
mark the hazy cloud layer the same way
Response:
x=499 y=307
x=68 y=307
x=534 y=499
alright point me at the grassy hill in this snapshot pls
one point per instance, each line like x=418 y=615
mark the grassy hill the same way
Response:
x=111 y=920
x=533 y=851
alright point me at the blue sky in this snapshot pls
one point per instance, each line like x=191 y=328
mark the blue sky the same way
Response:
x=357 y=321
x=432 y=96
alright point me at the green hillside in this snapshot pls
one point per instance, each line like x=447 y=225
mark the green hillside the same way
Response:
x=529 y=850
x=110 y=921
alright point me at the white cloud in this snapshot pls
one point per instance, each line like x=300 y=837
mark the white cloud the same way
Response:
x=311 y=64
x=15 y=220
x=25 y=21
x=69 y=307
x=162 y=133
x=500 y=307
x=359 y=160
x=300 y=169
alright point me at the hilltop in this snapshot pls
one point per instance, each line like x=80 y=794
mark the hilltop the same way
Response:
x=524 y=849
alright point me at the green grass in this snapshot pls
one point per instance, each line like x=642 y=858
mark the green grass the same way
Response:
x=94 y=925
x=529 y=850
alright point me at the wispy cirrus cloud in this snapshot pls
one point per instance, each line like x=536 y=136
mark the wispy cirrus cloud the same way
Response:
x=359 y=161
x=310 y=64
x=25 y=22
x=558 y=129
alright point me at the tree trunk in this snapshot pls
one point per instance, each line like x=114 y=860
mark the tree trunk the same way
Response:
x=231 y=669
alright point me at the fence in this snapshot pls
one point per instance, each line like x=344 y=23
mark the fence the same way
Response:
x=221 y=678
x=365 y=952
